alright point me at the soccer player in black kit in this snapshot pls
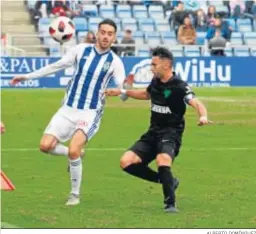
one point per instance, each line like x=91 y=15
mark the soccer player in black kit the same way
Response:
x=169 y=96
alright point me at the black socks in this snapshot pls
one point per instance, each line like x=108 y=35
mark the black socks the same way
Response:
x=166 y=178
x=142 y=171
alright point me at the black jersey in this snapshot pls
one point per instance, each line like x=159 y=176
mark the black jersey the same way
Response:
x=168 y=102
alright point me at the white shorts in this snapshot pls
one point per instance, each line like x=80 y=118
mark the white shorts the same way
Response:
x=68 y=120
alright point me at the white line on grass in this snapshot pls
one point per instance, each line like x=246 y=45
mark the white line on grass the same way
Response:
x=123 y=149
x=226 y=99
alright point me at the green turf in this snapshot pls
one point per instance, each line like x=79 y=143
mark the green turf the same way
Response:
x=216 y=167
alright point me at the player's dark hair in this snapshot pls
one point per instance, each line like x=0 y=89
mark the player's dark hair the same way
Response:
x=163 y=53
x=109 y=22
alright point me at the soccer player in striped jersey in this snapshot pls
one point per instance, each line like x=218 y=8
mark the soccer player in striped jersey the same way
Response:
x=78 y=119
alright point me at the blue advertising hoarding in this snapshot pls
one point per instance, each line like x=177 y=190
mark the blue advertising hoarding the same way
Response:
x=200 y=71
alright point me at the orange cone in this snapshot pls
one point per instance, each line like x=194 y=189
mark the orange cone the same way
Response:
x=6 y=184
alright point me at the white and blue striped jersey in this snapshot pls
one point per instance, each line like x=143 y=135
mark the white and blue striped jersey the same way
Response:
x=92 y=73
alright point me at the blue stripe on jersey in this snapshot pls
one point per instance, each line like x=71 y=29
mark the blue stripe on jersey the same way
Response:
x=107 y=81
x=102 y=98
x=104 y=70
x=88 y=79
x=82 y=61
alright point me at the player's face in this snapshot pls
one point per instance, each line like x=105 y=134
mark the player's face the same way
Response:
x=158 y=67
x=106 y=36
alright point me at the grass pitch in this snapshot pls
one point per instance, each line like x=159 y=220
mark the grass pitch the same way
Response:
x=216 y=167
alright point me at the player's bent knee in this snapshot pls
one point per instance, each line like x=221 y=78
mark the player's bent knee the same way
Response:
x=47 y=143
x=45 y=147
x=128 y=159
x=163 y=160
x=74 y=152
x=125 y=162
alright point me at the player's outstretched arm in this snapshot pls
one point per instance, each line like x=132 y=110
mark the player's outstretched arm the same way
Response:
x=43 y=72
x=66 y=61
x=136 y=94
x=201 y=110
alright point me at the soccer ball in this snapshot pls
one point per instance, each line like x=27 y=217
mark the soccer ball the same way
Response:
x=62 y=29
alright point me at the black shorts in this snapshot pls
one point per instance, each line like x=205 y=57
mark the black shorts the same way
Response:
x=154 y=142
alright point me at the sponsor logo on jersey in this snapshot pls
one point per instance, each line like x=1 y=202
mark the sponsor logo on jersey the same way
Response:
x=161 y=109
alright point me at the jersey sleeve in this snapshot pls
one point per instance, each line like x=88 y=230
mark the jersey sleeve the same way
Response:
x=119 y=72
x=66 y=61
x=187 y=93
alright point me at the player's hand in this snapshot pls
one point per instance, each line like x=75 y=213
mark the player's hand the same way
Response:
x=128 y=82
x=204 y=121
x=15 y=80
x=113 y=92
x=2 y=128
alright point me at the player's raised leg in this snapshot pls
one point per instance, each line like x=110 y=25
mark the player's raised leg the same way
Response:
x=48 y=143
x=164 y=162
x=58 y=130
x=131 y=163
x=76 y=146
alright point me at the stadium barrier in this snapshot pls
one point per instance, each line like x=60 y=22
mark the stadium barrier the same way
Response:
x=142 y=48
x=198 y=71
